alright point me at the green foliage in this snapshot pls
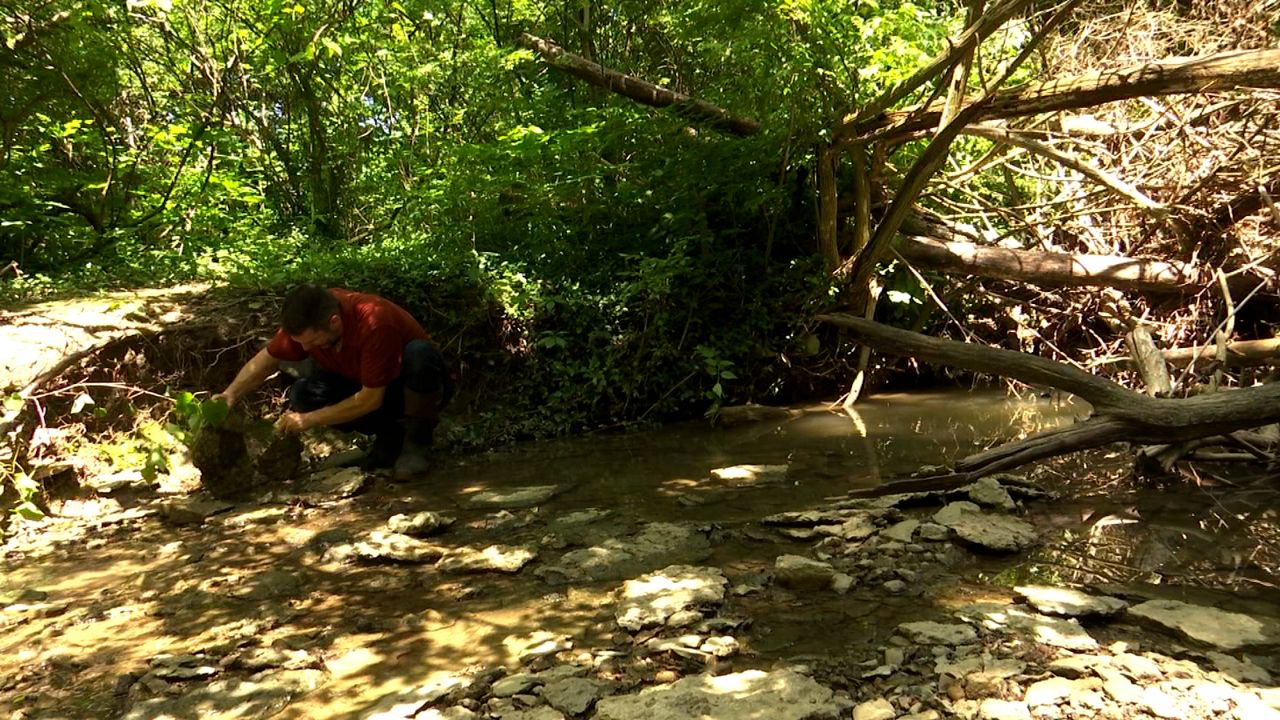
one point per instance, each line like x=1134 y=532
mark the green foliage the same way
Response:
x=593 y=261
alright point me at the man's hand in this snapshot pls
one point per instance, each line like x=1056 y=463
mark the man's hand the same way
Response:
x=293 y=422
x=225 y=397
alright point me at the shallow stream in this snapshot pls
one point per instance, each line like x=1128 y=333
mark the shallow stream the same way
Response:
x=124 y=586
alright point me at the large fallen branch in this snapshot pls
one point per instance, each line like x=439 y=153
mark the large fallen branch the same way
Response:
x=1048 y=269
x=1224 y=71
x=639 y=90
x=1119 y=414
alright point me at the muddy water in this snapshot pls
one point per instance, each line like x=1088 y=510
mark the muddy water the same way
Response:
x=134 y=589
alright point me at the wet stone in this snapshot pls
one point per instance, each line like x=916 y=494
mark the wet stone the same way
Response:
x=933 y=633
x=796 y=571
x=655 y=545
x=749 y=475
x=513 y=499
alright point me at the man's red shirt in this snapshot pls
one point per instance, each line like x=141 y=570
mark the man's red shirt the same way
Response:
x=374 y=333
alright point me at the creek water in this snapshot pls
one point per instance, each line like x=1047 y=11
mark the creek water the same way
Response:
x=142 y=588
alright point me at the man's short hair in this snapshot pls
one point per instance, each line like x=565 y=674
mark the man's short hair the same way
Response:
x=307 y=307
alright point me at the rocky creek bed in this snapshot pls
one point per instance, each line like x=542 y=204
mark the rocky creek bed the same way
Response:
x=340 y=595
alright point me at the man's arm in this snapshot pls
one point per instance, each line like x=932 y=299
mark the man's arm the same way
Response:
x=254 y=373
x=363 y=402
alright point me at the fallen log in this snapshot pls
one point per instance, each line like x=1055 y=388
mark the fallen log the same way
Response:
x=1173 y=76
x=1048 y=268
x=636 y=89
x=1119 y=414
x=1239 y=353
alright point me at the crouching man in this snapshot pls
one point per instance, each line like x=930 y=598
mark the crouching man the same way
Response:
x=374 y=370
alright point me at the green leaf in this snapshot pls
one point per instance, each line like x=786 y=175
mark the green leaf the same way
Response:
x=214 y=412
x=29 y=511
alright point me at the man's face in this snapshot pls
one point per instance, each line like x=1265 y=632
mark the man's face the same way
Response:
x=321 y=338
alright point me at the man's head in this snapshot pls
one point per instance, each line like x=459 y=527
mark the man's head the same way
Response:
x=311 y=316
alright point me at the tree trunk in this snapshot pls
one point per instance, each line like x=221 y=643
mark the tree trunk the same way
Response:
x=1224 y=71
x=639 y=90
x=1119 y=415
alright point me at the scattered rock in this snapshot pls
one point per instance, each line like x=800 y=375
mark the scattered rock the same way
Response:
x=1049 y=692
x=933 y=633
x=1222 y=629
x=381 y=546
x=655 y=545
x=933 y=532
x=953 y=511
x=338 y=484
x=1003 y=533
x=1057 y=632
x=802 y=573
x=513 y=499
x=649 y=600
x=419 y=524
x=1077 y=666
x=902 y=532
x=780 y=695
x=991 y=709
x=878 y=709
x=535 y=645
x=573 y=696
x=192 y=510
x=515 y=684
x=1068 y=602
x=494 y=558
x=1243 y=670
x=989 y=492
x=266 y=695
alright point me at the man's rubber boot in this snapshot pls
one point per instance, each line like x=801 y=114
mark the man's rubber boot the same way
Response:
x=388 y=442
x=421 y=416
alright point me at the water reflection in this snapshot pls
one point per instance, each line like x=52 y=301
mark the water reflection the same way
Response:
x=826 y=452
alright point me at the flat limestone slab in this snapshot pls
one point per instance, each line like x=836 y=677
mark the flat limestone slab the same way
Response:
x=1069 y=602
x=1222 y=629
x=514 y=498
x=780 y=695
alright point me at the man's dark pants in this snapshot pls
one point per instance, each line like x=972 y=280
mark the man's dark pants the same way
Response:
x=423 y=371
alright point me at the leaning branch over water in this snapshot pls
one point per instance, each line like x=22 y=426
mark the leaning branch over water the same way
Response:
x=1120 y=415
x=639 y=90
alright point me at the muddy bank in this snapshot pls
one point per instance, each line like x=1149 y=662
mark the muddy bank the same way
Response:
x=684 y=573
